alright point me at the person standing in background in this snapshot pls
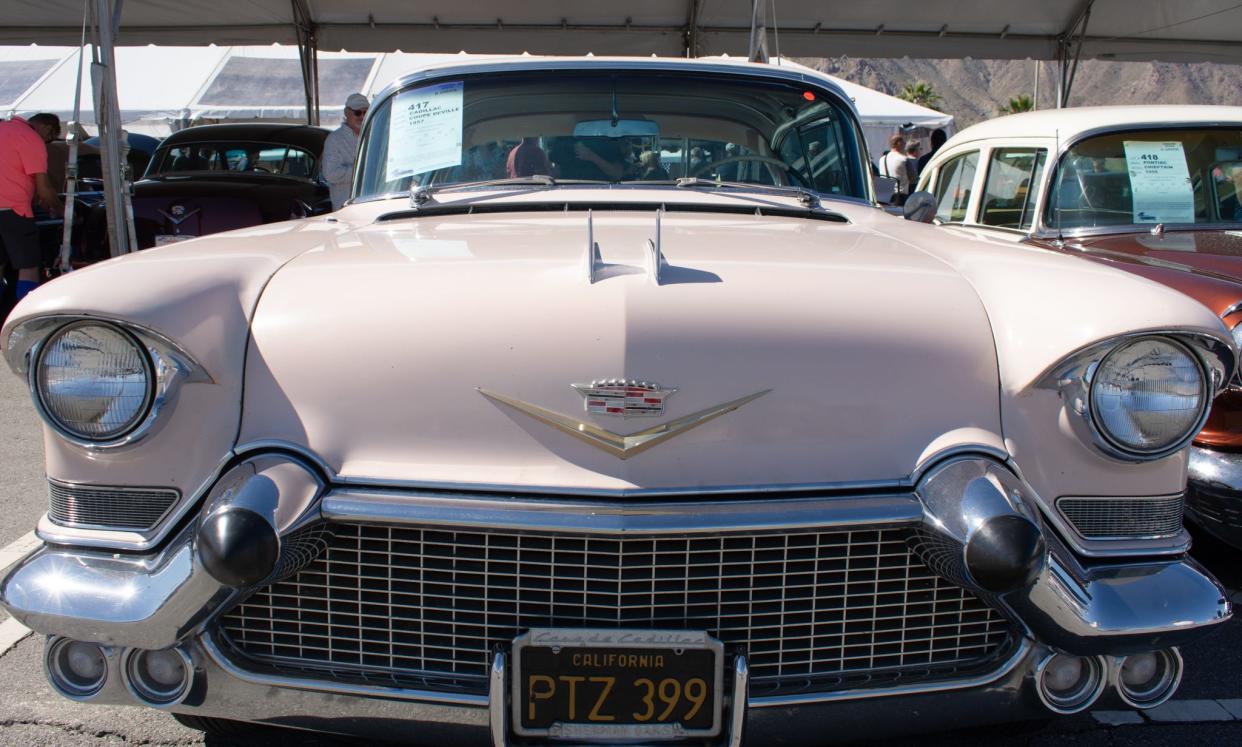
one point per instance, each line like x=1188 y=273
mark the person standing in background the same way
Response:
x=912 y=164
x=938 y=138
x=340 y=150
x=893 y=165
x=23 y=175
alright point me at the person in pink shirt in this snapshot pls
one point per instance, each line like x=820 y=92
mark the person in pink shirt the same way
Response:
x=23 y=174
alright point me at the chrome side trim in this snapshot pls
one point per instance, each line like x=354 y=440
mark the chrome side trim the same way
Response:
x=357 y=506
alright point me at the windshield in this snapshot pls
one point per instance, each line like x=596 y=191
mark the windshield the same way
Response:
x=1175 y=176
x=260 y=158
x=625 y=126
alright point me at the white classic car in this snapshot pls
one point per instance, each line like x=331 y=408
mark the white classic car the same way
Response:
x=1153 y=190
x=536 y=441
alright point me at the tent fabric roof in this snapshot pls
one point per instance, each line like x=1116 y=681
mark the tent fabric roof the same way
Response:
x=1188 y=30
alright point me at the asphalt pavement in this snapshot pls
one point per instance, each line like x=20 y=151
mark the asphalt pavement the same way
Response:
x=1206 y=710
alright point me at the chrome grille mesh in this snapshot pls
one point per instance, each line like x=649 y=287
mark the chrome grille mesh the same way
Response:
x=114 y=508
x=815 y=611
x=1098 y=518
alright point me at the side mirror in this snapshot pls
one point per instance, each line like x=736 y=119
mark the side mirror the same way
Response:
x=920 y=207
x=885 y=187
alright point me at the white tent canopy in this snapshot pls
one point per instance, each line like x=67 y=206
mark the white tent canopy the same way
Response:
x=1188 y=30
x=161 y=89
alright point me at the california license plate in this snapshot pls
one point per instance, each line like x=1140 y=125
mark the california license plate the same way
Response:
x=617 y=684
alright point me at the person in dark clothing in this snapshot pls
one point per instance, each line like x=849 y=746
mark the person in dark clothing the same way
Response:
x=594 y=158
x=938 y=139
x=651 y=168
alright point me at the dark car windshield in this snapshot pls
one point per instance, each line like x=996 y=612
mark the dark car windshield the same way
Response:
x=1173 y=176
x=621 y=126
x=235 y=156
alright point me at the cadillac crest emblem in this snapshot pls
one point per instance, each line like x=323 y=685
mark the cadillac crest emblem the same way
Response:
x=627 y=399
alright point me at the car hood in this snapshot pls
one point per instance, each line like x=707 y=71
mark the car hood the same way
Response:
x=1206 y=264
x=374 y=351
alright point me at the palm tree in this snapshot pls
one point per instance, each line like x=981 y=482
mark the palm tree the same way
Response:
x=920 y=93
x=1017 y=104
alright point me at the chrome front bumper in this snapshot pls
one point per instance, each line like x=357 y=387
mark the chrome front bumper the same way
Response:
x=1214 y=493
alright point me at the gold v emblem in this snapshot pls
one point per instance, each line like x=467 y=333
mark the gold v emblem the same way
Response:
x=622 y=447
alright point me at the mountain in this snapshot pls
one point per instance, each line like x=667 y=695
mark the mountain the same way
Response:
x=975 y=90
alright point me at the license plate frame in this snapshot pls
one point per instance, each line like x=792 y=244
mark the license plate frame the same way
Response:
x=672 y=641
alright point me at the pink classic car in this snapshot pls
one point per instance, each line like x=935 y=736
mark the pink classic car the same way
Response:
x=611 y=408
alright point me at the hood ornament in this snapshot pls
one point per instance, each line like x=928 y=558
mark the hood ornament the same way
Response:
x=622 y=447
x=627 y=399
x=177 y=214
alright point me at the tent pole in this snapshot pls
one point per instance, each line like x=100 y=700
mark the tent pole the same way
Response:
x=63 y=259
x=107 y=116
x=692 y=29
x=308 y=56
x=1069 y=68
x=758 y=32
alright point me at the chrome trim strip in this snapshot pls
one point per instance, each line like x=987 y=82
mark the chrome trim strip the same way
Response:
x=741 y=701
x=784 y=701
x=221 y=659
x=356 y=506
x=497 y=712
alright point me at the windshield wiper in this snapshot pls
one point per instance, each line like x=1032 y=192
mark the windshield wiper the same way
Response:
x=807 y=197
x=421 y=194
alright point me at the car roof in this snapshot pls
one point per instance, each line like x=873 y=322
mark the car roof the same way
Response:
x=718 y=65
x=303 y=136
x=1071 y=123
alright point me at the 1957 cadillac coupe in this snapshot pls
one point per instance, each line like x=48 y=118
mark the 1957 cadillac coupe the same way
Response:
x=530 y=443
x=1153 y=190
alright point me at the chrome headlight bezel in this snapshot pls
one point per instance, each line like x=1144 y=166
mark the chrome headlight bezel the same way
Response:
x=55 y=419
x=170 y=367
x=1188 y=433
x=1073 y=377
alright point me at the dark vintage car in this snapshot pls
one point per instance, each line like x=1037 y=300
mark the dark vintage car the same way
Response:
x=214 y=178
x=1153 y=190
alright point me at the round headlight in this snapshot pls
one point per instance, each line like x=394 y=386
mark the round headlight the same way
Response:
x=94 y=381
x=1148 y=396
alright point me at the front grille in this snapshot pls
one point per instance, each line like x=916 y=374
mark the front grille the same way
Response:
x=1123 y=518
x=135 y=509
x=814 y=611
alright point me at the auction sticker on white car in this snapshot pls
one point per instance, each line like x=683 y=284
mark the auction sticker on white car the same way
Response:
x=617 y=684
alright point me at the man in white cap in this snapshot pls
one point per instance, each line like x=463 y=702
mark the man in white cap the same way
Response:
x=340 y=150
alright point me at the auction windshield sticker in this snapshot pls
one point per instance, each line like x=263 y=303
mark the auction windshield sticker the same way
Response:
x=425 y=130
x=1160 y=182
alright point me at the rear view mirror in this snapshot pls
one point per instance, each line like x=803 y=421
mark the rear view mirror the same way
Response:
x=616 y=128
x=920 y=207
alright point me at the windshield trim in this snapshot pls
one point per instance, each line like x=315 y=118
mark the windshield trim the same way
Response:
x=1040 y=228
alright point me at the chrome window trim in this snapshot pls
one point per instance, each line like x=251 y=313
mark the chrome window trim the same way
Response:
x=221 y=658
x=170 y=367
x=1072 y=377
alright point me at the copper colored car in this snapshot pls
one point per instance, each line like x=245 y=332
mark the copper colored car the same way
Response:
x=1152 y=190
